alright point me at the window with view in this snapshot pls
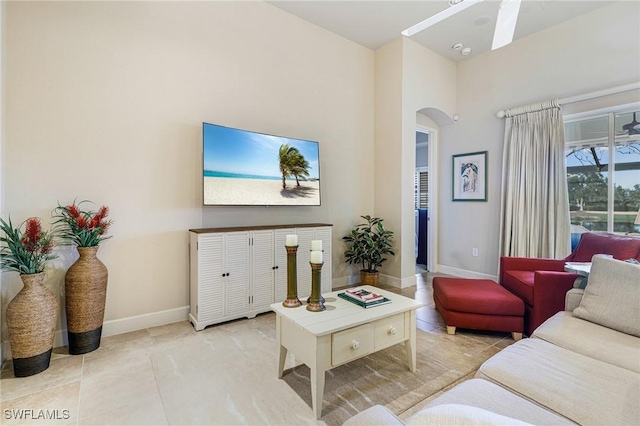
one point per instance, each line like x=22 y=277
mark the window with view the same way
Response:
x=603 y=173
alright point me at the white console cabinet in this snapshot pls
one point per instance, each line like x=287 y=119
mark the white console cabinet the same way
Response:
x=239 y=272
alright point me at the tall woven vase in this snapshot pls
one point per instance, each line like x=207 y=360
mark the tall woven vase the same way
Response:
x=31 y=320
x=85 y=287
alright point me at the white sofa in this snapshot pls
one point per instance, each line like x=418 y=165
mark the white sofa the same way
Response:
x=582 y=366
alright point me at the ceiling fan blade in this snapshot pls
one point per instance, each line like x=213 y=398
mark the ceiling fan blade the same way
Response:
x=506 y=23
x=440 y=16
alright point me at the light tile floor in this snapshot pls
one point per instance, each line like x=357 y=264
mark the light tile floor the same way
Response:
x=116 y=384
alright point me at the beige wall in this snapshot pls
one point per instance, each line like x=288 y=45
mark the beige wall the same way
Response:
x=592 y=52
x=105 y=102
x=429 y=84
x=387 y=148
x=409 y=78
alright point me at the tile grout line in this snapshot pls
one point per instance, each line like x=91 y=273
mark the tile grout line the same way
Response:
x=155 y=377
x=79 y=392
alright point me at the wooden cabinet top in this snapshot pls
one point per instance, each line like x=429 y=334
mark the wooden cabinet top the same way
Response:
x=257 y=228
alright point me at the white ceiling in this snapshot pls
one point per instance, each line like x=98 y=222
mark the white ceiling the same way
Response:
x=373 y=23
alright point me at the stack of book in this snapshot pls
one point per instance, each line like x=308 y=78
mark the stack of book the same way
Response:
x=364 y=298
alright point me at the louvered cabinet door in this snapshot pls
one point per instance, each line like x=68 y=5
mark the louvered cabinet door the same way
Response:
x=305 y=235
x=324 y=234
x=262 y=270
x=210 y=303
x=280 y=257
x=236 y=255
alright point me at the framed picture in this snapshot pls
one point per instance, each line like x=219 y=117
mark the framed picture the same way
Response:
x=470 y=177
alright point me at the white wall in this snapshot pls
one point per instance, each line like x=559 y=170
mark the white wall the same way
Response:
x=592 y=52
x=105 y=101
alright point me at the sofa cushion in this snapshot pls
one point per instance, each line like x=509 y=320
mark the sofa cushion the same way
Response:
x=459 y=414
x=587 y=338
x=520 y=283
x=583 y=389
x=489 y=396
x=377 y=415
x=612 y=297
x=619 y=246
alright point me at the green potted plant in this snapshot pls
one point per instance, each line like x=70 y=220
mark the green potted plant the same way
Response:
x=369 y=243
x=32 y=314
x=85 y=282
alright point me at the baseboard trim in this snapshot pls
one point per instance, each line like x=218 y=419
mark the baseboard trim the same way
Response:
x=463 y=273
x=139 y=322
x=350 y=280
x=119 y=326
x=342 y=282
x=397 y=282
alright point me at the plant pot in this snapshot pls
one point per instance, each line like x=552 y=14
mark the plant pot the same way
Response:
x=85 y=287
x=31 y=320
x=368 y=278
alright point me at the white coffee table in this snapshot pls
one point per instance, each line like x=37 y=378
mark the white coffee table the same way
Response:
x=343 y=333
x=581 y=268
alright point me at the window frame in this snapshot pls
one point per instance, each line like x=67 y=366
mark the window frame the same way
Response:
x=610 y=114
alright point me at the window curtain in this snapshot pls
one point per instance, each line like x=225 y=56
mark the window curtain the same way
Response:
x=535 y=203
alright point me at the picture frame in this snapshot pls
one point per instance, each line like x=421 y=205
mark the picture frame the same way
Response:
x=469 y=176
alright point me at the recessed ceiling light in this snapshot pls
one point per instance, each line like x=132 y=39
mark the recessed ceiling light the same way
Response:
x=482 y=20
x=457 y=46
x=465 y=51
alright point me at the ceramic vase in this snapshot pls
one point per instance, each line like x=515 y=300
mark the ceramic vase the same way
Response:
x=31 y=319
x=85 y=287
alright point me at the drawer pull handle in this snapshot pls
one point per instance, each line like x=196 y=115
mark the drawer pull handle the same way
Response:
x=392 y=330
x=355 y=345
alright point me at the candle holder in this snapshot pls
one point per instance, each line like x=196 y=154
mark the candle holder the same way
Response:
x=316 y=301
x=292 y=300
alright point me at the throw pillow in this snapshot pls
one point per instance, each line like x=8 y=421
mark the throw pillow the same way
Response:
x=612 y=296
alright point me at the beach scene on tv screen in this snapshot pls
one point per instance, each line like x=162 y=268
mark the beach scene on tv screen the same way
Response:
x=247 y=168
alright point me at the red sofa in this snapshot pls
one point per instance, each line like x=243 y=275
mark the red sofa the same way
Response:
x=542 y=283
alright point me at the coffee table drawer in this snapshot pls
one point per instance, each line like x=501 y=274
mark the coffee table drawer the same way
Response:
x=350 y=344
x=389 y=331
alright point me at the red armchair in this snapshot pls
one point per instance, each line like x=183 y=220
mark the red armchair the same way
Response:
x=542 y=283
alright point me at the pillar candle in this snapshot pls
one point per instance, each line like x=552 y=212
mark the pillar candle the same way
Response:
x=316 y=245
x=316 y=257
x=291 y=241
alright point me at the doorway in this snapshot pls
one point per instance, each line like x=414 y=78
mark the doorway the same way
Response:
x=421 y=198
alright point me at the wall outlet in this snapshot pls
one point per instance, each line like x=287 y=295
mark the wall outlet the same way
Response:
x=474 y=252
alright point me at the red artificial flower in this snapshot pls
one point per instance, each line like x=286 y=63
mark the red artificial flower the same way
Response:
x=95 y=221
x=103 y=227
x=33 y=230
x=73 y=211
x=81 y=221
x=102 y=213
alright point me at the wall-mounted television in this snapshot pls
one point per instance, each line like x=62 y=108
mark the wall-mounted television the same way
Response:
x=244 y=168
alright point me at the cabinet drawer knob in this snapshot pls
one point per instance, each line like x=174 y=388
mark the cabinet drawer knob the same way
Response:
x=392 y=330
x=355 y=345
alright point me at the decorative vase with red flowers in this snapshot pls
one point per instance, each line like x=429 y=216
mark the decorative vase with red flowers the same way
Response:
x=85 y=282
x=32 y=314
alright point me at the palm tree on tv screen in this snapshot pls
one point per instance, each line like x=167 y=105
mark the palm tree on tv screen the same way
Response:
x=300 y=166
x=292 y=163
x=285 y=156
